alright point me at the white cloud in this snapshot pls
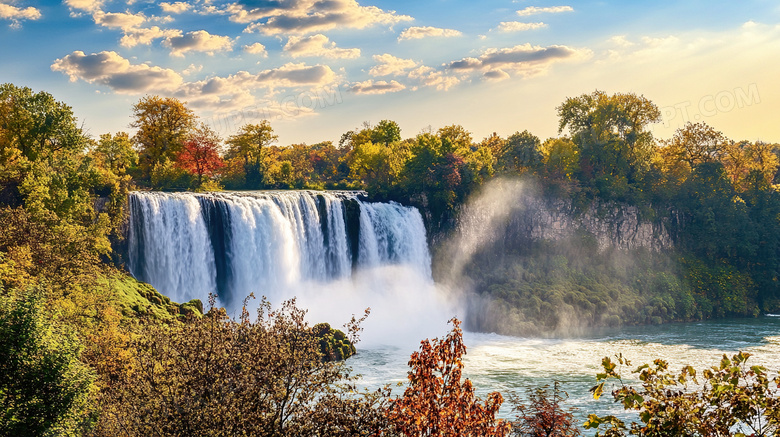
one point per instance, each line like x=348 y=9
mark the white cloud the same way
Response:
x=427 y=31
x=232 y=92
x=110 y=69
x=309 y=16
x=16 y=14
x=389 y=64
x=517 y=26
x=533 y=10
x=119 y=20
x=317 y=45
x=524 y=59
x=192 y=69
x=236 y=90
x=85 y=5
x=145 y=36
x=175 y=8
x=198 y=41
x=621 y=41
x=256 y=49
x=378 y=87
x=429 y=77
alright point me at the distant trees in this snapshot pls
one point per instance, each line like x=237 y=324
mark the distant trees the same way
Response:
x=248 y=145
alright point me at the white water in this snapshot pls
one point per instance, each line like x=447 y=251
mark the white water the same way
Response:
x=505 y=364
x=292 y=244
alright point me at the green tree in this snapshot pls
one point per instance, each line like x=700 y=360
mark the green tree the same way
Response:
x=730 y=395
x=163 y=124
x=522 y=151
x=116 y=152
x=610 y=132
x=44 y=388
x=386 y=132
x=248 y=144
x=37 y=125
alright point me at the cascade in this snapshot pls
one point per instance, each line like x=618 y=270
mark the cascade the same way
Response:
x=272 y=243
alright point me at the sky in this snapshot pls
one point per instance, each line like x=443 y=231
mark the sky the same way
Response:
x=318 y=68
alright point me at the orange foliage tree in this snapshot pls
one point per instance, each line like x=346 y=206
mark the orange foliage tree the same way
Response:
x=437 y=402
x=200 y=153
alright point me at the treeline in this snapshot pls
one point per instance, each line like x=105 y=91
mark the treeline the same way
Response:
x=715 y=196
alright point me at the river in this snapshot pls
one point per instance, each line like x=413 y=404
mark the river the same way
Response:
x=495 y=362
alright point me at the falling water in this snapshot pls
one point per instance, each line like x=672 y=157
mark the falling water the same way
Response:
x=330 y=249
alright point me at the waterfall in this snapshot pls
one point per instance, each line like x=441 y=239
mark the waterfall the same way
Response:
x=275 y=244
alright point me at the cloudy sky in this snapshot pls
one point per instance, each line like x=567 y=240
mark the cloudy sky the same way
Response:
x=317 y=68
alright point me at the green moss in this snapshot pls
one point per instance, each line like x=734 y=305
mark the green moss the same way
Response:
x=135 y=298
x=334 y=344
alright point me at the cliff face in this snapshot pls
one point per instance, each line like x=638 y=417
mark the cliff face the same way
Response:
x=510 y=215
x=611 y=224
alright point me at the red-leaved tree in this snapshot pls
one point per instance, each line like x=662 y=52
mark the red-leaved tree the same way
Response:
x=437 y=402
x=199 y=154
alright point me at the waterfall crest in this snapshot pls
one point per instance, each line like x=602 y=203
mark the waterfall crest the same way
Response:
x=188 y=245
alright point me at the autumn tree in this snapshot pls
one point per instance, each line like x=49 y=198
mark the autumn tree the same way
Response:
x=696 y=143
x=542 y=414
x=163 y=125
x=437 y=402
x=200 y=153
x=216 y=376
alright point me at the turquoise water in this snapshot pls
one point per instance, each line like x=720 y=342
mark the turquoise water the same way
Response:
x=502 y=363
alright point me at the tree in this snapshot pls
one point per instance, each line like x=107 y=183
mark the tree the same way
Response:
x=561 y=157
x=116 y=152
x=610 y=132
x=200 y=153
x=36 y=124
x=696 y=143
x=457 y=135
x=730 y=395
x=522 y=151
x=437 y=403
x=543 y=416
x=163 y=125
x=248 y=144
x=44 y=388
x=386 y=132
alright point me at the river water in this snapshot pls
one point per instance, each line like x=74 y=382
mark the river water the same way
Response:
x=495 y=362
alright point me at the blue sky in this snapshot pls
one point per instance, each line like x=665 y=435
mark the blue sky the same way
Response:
x=317 y=68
